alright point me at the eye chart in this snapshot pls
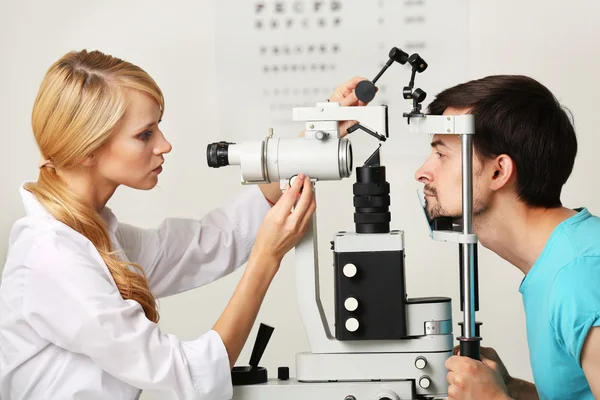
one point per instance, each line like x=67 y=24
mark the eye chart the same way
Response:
x=272 y=56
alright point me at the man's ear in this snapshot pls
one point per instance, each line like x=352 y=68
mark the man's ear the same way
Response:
x=503 y=171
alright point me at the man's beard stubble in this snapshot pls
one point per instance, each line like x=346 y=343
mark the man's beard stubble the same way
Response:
x=438 y=211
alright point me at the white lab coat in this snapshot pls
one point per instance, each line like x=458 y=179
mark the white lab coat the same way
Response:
x=66 y=332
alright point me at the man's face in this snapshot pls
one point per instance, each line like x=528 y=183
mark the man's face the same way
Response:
x=442 y=176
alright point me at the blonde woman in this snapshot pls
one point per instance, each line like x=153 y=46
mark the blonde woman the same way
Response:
x=78 y=317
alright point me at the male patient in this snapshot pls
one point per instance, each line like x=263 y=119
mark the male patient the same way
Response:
x=524 y=150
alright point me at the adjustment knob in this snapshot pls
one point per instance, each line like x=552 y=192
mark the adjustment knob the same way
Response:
x=283 y=373
x=425 y=382
x=320 y=135
x=352 y=324
x=351 y=304
x=292 y=180
x=420 y=362
x=349 y=270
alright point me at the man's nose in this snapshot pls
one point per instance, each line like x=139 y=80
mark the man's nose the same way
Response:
x=423 y=175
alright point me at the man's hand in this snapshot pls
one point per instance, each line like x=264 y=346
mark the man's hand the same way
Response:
x=517 y=389
x=474 y=380
x=491 y=358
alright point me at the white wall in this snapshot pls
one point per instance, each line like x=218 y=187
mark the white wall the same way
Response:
x=551 y=40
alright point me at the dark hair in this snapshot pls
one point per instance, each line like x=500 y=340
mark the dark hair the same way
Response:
x=518 y=116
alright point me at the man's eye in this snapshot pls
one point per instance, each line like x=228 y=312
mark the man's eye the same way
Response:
x=438 y=154
x=145 y=135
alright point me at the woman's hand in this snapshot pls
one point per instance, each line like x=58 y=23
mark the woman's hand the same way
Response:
x=281 y=230
x=283 y=227
x=345 y=95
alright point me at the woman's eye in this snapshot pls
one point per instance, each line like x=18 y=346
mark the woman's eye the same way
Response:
x=145 y=136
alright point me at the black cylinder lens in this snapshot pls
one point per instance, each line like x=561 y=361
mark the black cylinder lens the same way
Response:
x=371 y=200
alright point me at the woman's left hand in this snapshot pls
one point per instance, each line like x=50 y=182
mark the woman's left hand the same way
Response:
x=343 y=94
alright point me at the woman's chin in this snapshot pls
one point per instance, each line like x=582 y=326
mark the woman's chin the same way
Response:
x=146 y=184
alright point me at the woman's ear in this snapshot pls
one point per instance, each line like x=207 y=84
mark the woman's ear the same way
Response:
x=503 y=171
x=89 y=161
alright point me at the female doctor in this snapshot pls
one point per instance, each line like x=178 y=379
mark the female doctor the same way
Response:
x=78 y=317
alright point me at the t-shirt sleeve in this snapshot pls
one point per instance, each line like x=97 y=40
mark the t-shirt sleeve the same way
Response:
x=575 y=303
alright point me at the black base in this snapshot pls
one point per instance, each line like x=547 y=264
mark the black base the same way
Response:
x=248 y=375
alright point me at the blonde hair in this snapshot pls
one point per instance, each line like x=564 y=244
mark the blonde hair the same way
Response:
x=80 y=101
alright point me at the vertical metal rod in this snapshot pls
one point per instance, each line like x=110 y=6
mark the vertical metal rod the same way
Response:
x=468 y=253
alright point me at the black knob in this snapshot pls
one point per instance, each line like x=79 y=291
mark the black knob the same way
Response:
x=365 y=91
x=398 y=55
x=283 y=373
x=417 y=62
x=419 y=95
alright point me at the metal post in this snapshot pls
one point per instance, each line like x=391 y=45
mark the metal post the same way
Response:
x=469 y=344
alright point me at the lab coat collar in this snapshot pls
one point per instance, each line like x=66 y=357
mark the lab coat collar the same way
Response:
x=34 y=208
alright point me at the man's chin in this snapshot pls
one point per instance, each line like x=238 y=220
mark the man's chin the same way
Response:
x=435 y=214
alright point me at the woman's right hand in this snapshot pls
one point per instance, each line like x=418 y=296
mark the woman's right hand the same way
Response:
x=283 y=227
x=281 y=230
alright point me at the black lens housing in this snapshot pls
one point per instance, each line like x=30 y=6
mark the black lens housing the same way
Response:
x=217 y=154
x=371 y=200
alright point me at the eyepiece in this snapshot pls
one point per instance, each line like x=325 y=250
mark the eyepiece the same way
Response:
x=217 y=154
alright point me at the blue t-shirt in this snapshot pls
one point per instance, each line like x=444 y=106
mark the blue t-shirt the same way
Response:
x=561 y=295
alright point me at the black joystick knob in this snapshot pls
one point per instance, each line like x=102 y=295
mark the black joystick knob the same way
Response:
x=262 y=339
x=253 y=373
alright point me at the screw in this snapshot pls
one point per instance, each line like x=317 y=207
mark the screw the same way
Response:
x=311 y=126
